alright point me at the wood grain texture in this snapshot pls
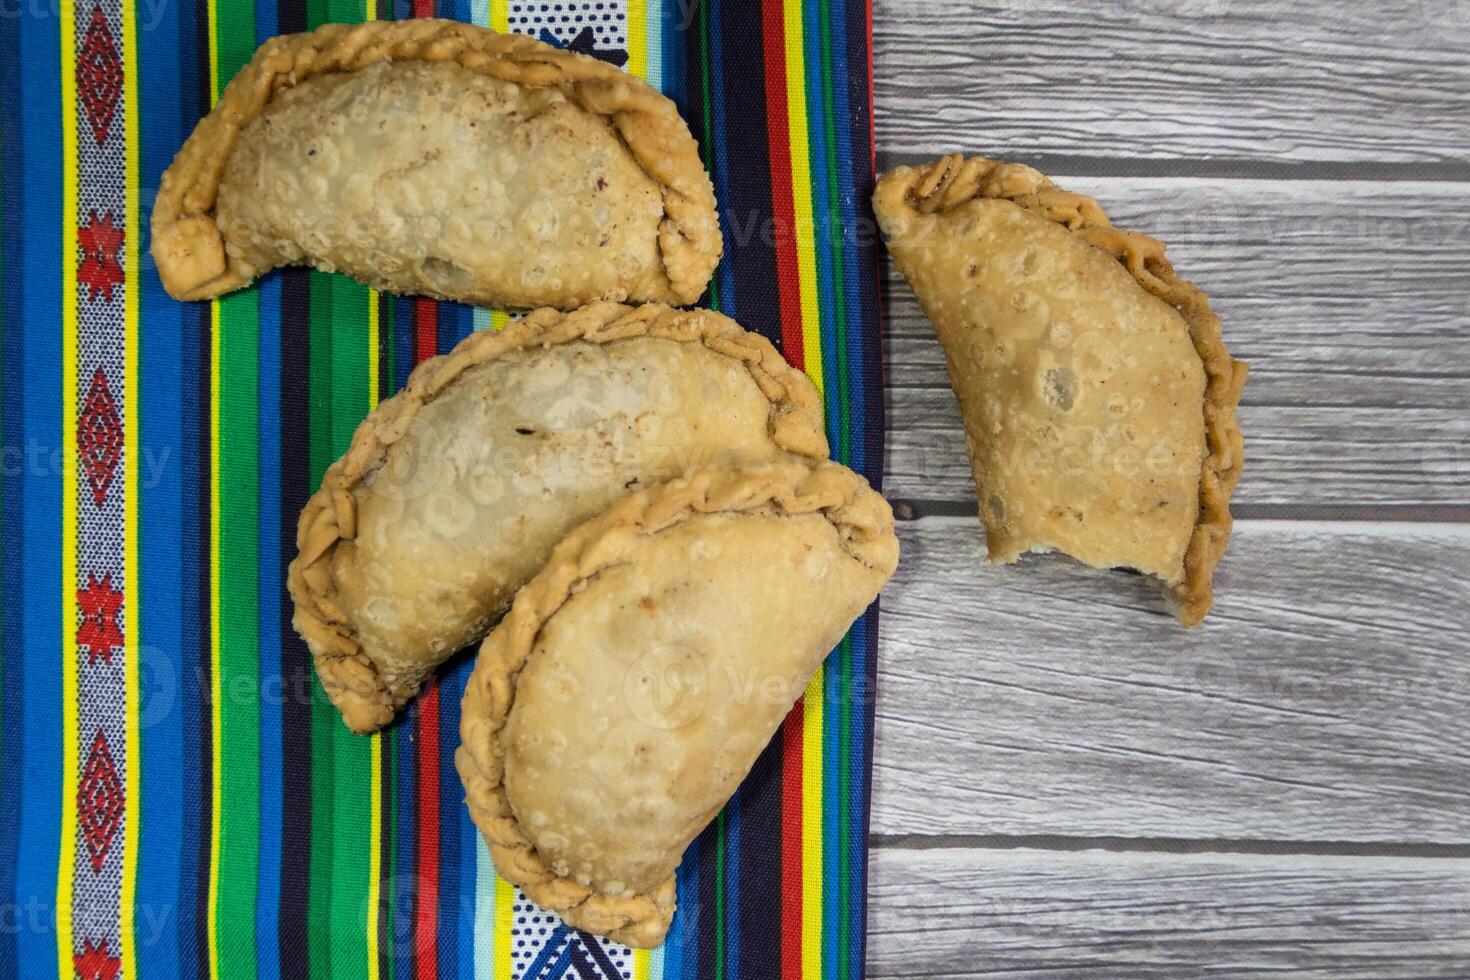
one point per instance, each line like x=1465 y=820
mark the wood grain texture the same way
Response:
x=1350 y=300
x=1324 y=699
x=973 y=913
x=1134 y=79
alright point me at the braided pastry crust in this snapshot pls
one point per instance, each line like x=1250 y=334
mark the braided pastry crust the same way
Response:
x=378 y=616
x=587 y=789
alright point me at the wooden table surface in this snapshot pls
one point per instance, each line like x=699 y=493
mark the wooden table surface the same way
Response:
x=1067 y=783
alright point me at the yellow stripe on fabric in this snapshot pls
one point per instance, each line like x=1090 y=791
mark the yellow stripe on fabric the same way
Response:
x=132 y=596
x=811 y=828
x=806 y=259
x=638 y=67
x=500 y=17
x=66 y=859
x=801 y=190
x=216 y=681
x=638 y=38
x=213 y=50
x=375 y=750
x=375 y=847
x=373 y=364
x=500 y=960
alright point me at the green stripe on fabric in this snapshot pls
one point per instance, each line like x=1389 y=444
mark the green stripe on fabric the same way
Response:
x=707 y=145
x=352 y=362
x=720 y=896
x=834 y=229
x=843 y=657
x=238 y=327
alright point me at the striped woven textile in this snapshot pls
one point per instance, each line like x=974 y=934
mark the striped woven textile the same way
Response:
x=177 y=797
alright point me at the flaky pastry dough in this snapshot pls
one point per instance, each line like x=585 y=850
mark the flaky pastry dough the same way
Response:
x=316 y=151
x=989 y=274
x=454 y=491
x=637 y=677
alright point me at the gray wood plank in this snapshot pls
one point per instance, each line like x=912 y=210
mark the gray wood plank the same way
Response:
x=1324 y=699
x=1129 y=79
x=1350 y=300
x=974 y=913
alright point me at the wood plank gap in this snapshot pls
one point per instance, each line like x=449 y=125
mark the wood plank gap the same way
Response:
x=1215 y=168
x=909 y=509
x=1170 y=845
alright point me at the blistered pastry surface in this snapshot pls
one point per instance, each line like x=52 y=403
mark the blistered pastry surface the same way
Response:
x=1080 y=392
x=198 y=258
x=425 y=177
x=650 y=693
x=518 y=452
x=931 y=211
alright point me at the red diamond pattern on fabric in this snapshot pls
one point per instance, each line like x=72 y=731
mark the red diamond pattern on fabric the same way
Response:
x=101 y=269
x=99 y=437
x=99 y=632
x=99 y=75
x=93 y=962
x=100 y=801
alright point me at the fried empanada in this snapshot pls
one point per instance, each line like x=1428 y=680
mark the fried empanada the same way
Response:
x=637 y=677
x=428 y=156
x=1098 y=399
x=455 y=490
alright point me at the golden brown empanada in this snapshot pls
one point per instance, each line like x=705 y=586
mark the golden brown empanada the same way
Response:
x=455 y=490
x=1098 y=399
x=637 y=677
x=428 y=156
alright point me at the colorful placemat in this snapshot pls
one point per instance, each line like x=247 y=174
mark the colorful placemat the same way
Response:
x=177 y=797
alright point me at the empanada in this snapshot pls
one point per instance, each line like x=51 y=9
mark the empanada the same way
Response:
x=428 y=156
x=637 y=677
x=455 y=490
x=1098 y=399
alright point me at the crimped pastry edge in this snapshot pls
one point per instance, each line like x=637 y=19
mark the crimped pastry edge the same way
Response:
x=953 y=181
x=350 y=678
x=186 y=241
x=864 y=523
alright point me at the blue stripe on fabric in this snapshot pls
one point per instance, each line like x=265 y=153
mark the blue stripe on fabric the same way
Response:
x=861 y=328
x=404 y=880
x=734 y=871
x=163 y=684
x=861 y=649
x=833 y=735
x=43 y=654
x=403 y=342
x=849 y=48
x=681 y=945
x=458 y=856
x=272 y=668
x=671 y=44
x=13 y=462
x=453 y=878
